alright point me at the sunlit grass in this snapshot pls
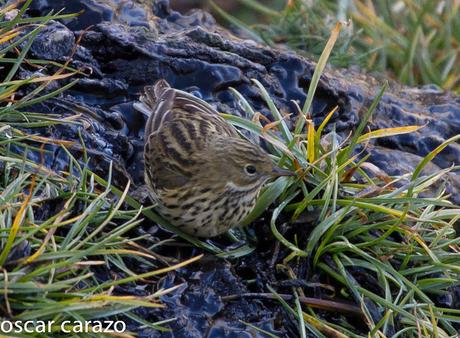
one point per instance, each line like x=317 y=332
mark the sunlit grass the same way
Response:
x=416 y=41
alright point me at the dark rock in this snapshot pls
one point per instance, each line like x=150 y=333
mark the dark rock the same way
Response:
x=198 y=307
x=20 y=251
x=397 y=162
x=54 y=42
x=92 y=12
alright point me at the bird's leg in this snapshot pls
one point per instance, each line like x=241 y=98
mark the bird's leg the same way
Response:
x=142 y=194
x=239 y=238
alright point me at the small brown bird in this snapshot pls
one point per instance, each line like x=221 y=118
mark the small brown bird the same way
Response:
x=204 y=178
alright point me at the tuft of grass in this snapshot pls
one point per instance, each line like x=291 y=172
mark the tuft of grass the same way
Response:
x=65 y=239
x=416 y=42
x=371 y=227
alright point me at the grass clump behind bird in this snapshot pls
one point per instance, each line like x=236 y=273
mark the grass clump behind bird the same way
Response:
x=415 y=42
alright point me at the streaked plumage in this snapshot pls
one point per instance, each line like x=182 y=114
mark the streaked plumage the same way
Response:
x=199 y=171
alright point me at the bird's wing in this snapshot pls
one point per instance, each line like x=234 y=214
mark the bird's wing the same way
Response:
x=177 y=133
x=167 y=166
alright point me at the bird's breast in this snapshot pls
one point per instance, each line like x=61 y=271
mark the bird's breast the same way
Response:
x=204 y=211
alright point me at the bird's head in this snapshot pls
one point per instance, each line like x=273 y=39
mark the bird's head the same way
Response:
x=241 y=164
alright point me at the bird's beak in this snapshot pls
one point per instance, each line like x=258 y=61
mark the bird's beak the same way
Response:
x=277 y=171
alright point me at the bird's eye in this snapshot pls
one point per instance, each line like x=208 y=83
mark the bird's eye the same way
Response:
x=250 y=169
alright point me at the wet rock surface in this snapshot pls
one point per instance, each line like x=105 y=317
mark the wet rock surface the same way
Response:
x=199 y=301
x=122 y=46
x=194 y=54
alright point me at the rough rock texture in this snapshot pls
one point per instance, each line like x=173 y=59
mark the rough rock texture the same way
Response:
x=128 y=47
x=193 y=53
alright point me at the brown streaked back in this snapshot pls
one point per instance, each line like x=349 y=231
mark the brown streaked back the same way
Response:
x=177 y=134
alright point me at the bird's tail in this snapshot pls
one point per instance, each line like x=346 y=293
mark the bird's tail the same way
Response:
x=151 y=95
